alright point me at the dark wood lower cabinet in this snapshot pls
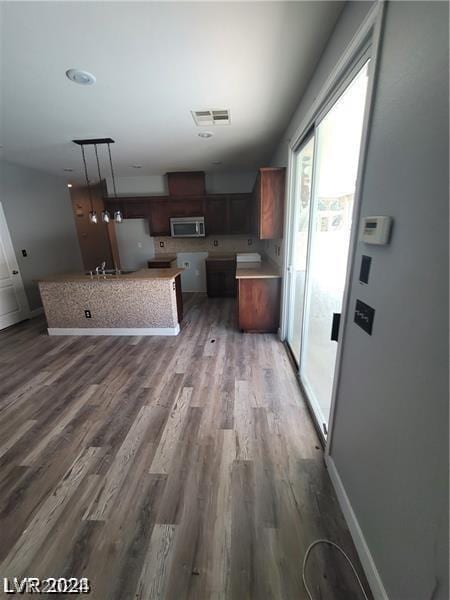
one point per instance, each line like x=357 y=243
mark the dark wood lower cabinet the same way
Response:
x=259 y=304
x=221 y=278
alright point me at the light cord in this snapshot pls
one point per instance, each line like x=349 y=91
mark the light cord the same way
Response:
x=330 y=543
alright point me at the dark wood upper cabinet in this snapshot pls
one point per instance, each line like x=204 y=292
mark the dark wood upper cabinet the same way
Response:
x=216 y=216
x=136 y=208
x=229 y=214
x=240 y=213
x=189 y=183
x=187 y=207
x=269 y=203
x=260 y=213
x=159 y=217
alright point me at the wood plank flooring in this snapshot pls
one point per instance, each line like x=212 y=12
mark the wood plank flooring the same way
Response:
x=165 y=468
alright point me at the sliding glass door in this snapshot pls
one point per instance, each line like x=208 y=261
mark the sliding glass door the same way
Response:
x=297 y=270
x=324 y=192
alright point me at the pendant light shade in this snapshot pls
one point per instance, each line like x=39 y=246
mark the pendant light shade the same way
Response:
x=118 y=216
x=93 y=217
x=105 y=216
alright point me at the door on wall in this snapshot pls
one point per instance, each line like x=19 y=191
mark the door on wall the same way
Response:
x=13 y=302
x=325 y=170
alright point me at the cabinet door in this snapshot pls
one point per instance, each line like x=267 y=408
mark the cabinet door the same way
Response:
x=135 y=208
x=221 y=278
x=259 y=304
x=189 y=183
x=271 y=203
x=217 y=221
x=240 y=207
x=187 y=207
x=159 y=217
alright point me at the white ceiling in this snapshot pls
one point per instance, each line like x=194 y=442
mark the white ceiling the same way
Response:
x=154 y=62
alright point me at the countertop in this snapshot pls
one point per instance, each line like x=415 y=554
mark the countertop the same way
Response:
x=262 y=270
x=142 y=274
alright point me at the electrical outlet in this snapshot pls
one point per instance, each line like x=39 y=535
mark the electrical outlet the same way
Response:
x=161 y=244
x=187 y=264
x=249 y=242
x=216 y=242
x=87 y=314
x=24 y=252
x=139 y=244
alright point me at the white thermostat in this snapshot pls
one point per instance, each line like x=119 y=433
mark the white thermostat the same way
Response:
x=376 y=230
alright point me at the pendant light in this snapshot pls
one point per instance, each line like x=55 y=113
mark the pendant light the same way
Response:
x=92 y=213
x=105 y=216
x=117 y=213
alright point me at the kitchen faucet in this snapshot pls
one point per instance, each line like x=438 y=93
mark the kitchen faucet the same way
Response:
x=100 y=268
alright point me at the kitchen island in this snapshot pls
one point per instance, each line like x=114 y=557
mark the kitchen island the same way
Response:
x=146 y=302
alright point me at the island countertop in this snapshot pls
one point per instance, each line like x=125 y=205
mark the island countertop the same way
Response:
x=140 y=275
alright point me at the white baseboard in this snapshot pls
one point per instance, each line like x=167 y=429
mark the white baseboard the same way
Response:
x=367 y=562
x=37 y=312
x=114 y=330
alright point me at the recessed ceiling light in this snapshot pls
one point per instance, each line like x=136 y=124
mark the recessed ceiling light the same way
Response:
x=81 y=77
x=67 y=170
x=205 y=134
x=69 y=185
x=137 y=166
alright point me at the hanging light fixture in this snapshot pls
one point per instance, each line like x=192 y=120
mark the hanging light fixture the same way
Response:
x=105 y=216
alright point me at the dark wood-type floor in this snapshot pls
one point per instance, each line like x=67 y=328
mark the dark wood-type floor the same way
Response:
x=173 y=468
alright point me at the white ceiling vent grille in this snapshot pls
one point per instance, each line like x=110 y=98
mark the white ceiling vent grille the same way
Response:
x=206 y=118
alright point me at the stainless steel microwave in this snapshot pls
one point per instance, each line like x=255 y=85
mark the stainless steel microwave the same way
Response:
x=187 y=227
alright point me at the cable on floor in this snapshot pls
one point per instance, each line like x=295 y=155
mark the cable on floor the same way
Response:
x=330 y=543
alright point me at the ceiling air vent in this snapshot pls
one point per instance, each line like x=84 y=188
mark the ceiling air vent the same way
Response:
x=206 y=118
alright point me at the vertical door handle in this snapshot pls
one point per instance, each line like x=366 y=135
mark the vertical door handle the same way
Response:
x=335 y=327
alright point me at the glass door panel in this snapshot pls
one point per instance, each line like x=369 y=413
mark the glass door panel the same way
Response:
x=299 y=249
x=338 y=138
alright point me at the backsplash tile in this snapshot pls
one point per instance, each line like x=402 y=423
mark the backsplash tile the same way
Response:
x=218 y=244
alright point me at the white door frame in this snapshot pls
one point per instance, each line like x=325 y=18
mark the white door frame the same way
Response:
x=367 y=36
x=5 y=238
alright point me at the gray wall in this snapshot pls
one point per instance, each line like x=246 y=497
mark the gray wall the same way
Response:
x=39 y=216
x=390 y=437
